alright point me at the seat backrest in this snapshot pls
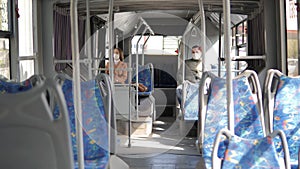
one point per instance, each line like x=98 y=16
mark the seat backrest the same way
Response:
x=7 y=86
x=251 y=153
x=94 y=120
x=107 y=94
x=283 y=107
x=249 y=119
x=30 y=136
x=190 y=100
x=145 y=76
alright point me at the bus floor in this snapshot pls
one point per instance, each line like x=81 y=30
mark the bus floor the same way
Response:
x=170 y=146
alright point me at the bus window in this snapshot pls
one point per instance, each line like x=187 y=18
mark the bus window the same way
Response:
x=26 y=51
x=4 y=57
x=4 y=38
x=4 y=19
x=157 y=45
x=292 y=42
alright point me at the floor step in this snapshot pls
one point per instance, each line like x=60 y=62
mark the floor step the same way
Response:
x=141 y=127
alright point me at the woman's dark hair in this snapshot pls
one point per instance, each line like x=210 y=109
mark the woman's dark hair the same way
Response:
x=121 y=54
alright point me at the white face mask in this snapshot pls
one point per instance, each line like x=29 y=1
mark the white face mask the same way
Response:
x=197 y=56
x=116 y=57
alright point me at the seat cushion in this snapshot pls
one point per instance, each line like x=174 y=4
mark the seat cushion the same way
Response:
x=250 y=154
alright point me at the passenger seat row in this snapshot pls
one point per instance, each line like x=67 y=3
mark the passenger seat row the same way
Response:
x=259 y=138
x=37 y=123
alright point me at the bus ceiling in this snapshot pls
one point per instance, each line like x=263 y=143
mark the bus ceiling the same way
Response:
x=181 y=8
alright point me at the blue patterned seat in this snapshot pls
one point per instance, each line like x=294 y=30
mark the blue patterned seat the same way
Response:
x=7 y=86
x=284 y=109
x=94 y=124
x=146 y=78
x=251 y=153
x=14 y=87
x=30 y=136
x=190 y=100
x=248 y=117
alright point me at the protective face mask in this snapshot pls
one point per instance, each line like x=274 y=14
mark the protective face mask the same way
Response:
x=116 y=56
x=197 y=56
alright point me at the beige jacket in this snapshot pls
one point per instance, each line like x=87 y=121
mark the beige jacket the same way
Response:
x=120 y=72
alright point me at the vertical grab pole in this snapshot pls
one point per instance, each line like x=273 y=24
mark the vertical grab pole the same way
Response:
x=143 y=51
x=137 y=77
x=111 y=39
x=129 y=81
x=76 y=82
x=111 y=52
x=182 y=58
x=220 y=44
x=202 y=30
x=227 y=45
x=283 y=37
x=137 y=73
x=88 y=40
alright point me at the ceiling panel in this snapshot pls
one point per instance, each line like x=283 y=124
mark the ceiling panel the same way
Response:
x=101 y=6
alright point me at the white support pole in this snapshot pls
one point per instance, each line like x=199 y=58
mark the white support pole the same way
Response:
x=111 y=39
x=203 y=31
x=76 y=83
x=143 y=51
x=130 y=80
x=283 y=38
x=95 y=52
x=137 y=77
x=137 y=72
x=117 y=41
x=35 y=36
x=220 y=44
x=89 y=40
x=111 y=59
x=182 y=59
x=138 y=28
x=130 y=94
x=227 y=45
x=147 y=26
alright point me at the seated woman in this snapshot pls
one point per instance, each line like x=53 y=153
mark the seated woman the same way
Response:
x=120 y=67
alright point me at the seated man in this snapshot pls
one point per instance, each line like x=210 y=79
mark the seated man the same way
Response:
x=193 y=70
x=194 y=65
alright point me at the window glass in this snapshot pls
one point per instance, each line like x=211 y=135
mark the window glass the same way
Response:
x=245 y=33
x=156 y=45
x=240 y=34
x=26 y=51
x=4 y=58
x=25 y=28
x=26 y=69
x=233 y=36
x=4 y=24
x=292 y=41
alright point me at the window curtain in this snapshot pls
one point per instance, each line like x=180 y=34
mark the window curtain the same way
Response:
x=62 y=36
x=256 y=41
